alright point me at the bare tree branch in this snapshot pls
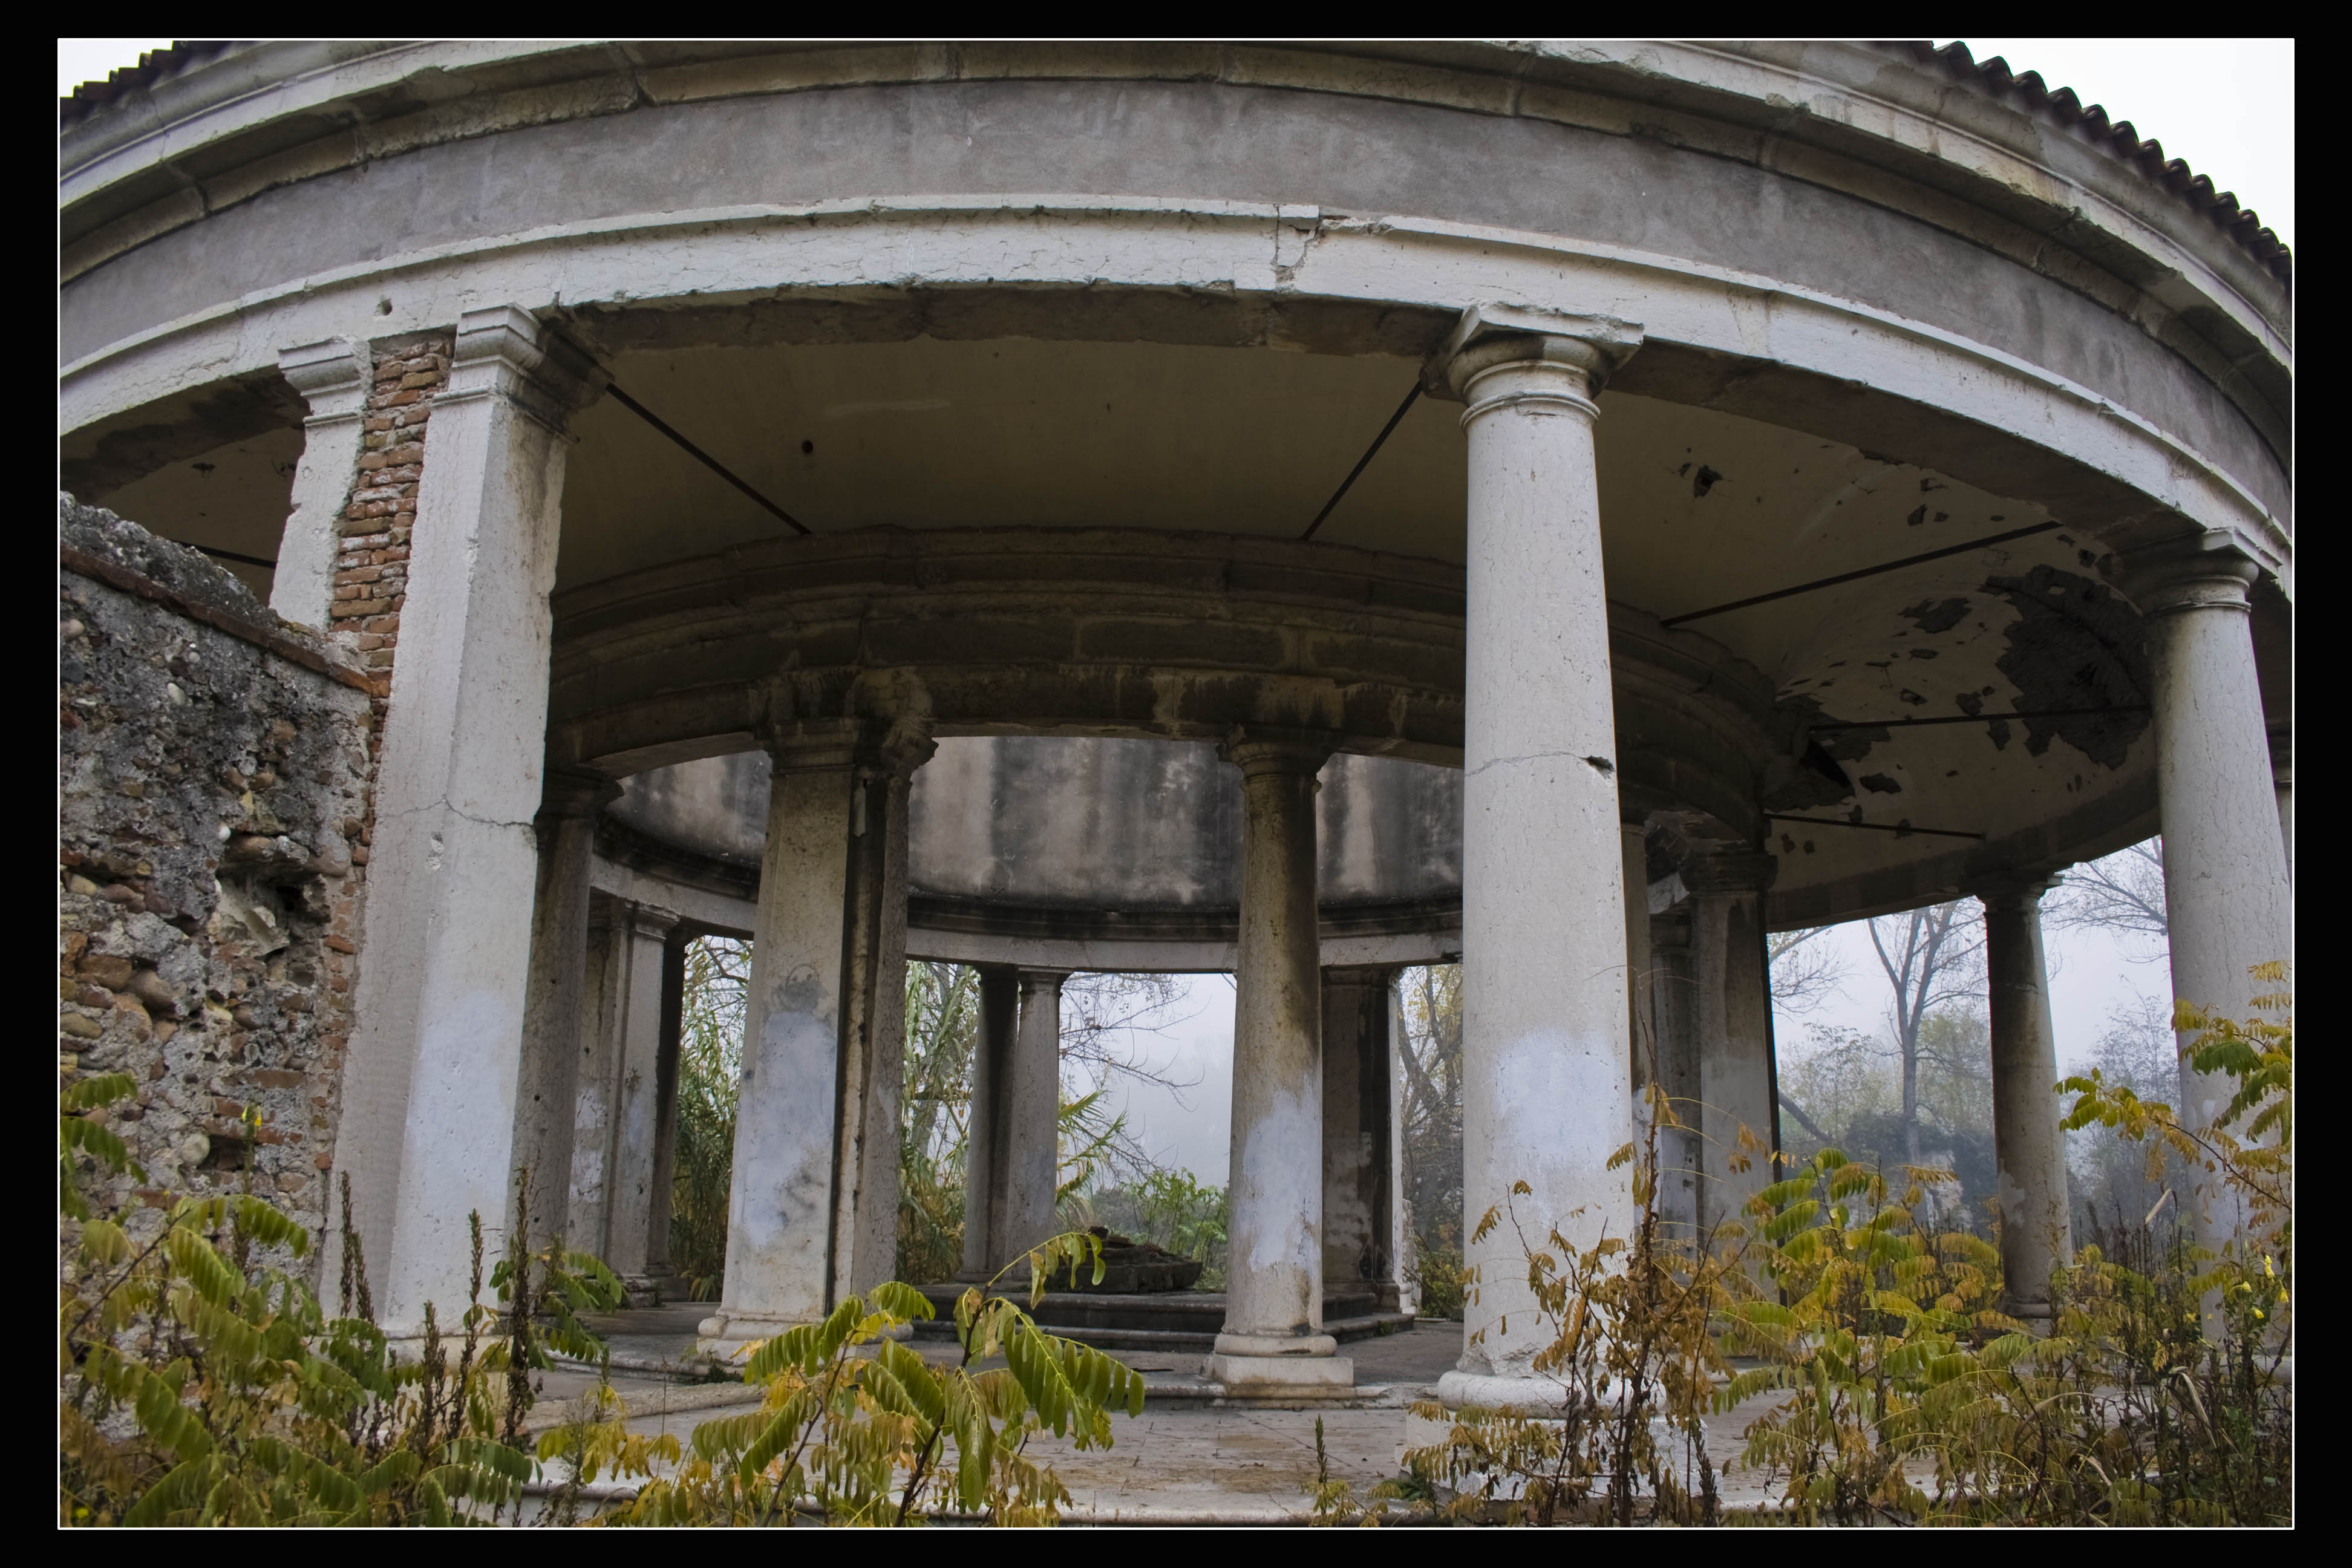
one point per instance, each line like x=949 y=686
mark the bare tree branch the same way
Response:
x=2122 y=892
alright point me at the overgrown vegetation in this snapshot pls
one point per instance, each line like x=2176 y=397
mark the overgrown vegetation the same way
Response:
x=1174 y=1210
x=1430 y=1058
x=855 y=1427
x=2160 y=1397
x=202 y=1383
x=702 y=1152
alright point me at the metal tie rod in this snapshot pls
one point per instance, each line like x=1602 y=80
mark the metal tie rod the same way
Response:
x=1364 y=461
x=1902 y=830
x=1856 y=576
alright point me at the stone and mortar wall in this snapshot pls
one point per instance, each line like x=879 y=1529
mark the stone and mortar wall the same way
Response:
x=214 y=767
x=370 y=584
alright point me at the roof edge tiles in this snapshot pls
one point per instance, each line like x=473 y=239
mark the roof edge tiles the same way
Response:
x=153 y=65
x=2060 y=106
x=2063 y=106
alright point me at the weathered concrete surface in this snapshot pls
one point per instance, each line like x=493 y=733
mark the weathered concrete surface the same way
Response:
x=1674 y=1006
x=1545 y=1094
x=2226 y=897
x=617 y=1147
x=2036 y=1216
x=1734 y=1022
x=548 y=1080
x=213 y=802
x=1546 y=146
x=1027 y=1136
x=430 y=1098
x=333 y=379
x=780 y=1196
x=991 y=1124
x=1273 y=1301
x=1362 y=1223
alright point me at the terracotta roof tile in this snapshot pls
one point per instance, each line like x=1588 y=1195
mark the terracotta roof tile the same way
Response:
x=2064 y=107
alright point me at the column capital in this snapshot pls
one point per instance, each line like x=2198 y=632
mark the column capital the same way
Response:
x=575 y=791
x=1035 y=977
x=333 y=377
x=1563 y=358
x=2018 y=891
x=650 y=920
x=869 y=746
x=1728 y=872
x=2206 y=571
x=504 y=352
x=1258 y=748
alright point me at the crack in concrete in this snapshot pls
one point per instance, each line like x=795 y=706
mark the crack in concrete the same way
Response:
x=442 y=805
x=1600 y=765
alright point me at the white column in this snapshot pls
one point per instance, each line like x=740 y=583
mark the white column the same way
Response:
x=1359 y=1133
x=333 y=377
x=1274 y=1336
x=602 y=995
x=2036 y=1216
x=2225 y=878
x=1545 y=1096
x=1734 y=995
x=639 y=953
x=1028 y=1143
x=2282 y=738
x=429 y=1107
x=557 y=1036
x=813 y=1204
x=672 y=1002
x=988 y=1124
x=1674 y=1005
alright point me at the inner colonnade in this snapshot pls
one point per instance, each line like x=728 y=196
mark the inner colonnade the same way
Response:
x=863 y=549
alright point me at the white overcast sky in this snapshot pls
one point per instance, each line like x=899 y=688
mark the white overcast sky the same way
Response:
x=2226 y=105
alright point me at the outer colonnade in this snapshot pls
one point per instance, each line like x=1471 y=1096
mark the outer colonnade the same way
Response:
x=1549 y=937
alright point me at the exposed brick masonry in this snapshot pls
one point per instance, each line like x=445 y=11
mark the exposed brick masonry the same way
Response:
x=372 y=566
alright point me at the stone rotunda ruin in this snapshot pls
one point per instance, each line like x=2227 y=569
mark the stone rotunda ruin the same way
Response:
x=887 y=500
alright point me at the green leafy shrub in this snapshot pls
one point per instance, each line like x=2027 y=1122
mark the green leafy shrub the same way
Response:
x=2158 y=1397
x=200 y=1382
x=855 y=1427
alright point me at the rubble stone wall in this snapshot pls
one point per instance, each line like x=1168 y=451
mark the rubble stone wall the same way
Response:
x=215 y=769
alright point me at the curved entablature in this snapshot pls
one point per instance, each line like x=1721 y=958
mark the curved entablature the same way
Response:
x=975 y=631
x=1034 y=849
x=1146 y=634
x=1894 y=287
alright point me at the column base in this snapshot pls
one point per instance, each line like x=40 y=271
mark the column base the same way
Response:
x=1255 y=1374
x=2039 y=1317
x=1272 y=1363
x=726 y=1336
